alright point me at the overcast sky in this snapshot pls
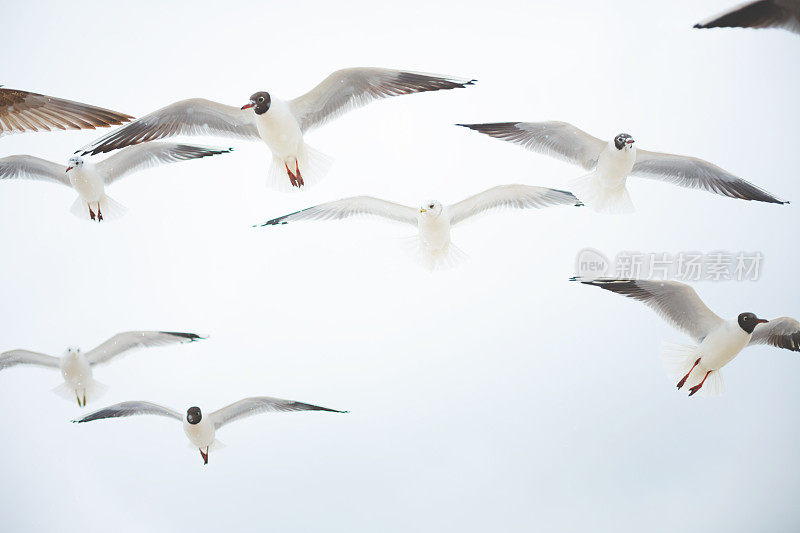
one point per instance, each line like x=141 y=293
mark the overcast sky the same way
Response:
x=494 y=397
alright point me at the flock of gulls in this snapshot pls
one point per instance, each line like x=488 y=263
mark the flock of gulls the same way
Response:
x=138 y=144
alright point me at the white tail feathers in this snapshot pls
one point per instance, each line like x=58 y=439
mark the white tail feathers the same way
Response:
x=450 y=256
x=591 y=191
x=678 y=359
x=94 y=391
x=313 y=165
x=107 y=206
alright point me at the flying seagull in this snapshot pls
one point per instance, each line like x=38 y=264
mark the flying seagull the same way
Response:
x=717 y=340
x=432 y=219
x=90 y=179
x=200 y=429
x=610 y=163
x=76 y=366
x=783 y=14
x=22 y=111
x=281 y=124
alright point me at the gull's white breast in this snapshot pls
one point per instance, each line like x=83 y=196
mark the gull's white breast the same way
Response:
x=722 y=345
x=76 y=371
x=434 y=232
x=87 y=182
x=280 y=130
x=200 y=434
x=614 y=166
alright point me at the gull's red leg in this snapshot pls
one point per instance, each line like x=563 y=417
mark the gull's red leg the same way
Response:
x=697 y=387
x=297 y=173
x=91 y=213
x=682 y=382
x=99 y=214
x=204 y=455
x=292 y=177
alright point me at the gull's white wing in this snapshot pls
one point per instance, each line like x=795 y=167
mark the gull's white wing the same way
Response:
x=782 y=332
x=697 y=174
x=761 y=14
x=130 y=409
x=27 y=167
x=260 y=404
x=351 y=88
x=24 y=357
x=510 y=196
x=22 y=111
x=348 y=207
x=556 y=139
x=135 y=158
x=677 y=303
x=128 y=340
x=195 y=116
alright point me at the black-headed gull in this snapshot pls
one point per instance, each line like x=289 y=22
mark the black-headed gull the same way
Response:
x=783 y=14
x=604 y=188
x=718 y=340
x=22 y=111
x=280 y=124
x=433 y=219
x=76 y=366
x=89 y=179
x=201 y=430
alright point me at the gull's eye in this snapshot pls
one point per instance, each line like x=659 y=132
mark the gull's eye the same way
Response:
x=430 y=206
x=260 y=98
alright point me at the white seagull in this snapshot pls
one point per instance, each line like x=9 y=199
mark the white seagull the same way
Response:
x=432 y=219
x=281 y=124
x=783 y=14
x=718 y=340
x=200 y=429
x=76 y=366
x=89 y=179
x=23 y=111
x=610 y=163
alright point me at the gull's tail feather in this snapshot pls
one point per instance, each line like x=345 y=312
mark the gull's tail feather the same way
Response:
x=216 y=445
x=108 y=207
x=678 y=359
x=313 y=165
x=93 y=391
x=65 y=391
x=594 y=194
x=447 y=257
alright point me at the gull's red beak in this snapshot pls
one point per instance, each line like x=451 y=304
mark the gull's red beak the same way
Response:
x=248 y=105
x=761 y=321
x=68 y=169
x=629 y=141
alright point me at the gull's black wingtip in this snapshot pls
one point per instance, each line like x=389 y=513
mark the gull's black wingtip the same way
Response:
x=698 y=26
x=579 y=204
x=575 y=278
x=189 y=337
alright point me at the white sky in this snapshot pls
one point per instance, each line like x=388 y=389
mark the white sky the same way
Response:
x=498 y=396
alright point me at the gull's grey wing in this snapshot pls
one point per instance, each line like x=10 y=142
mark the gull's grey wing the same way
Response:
x=22 y=111
x=136 y=158
x=675 y=302
x=510 y=196
x=130 y=409
x=783 y=332
x=195 y=116
x=351 y=88
x=696 y=173
x=25 y=357
x=783 y=14
x=27 y=167
x=260 y=404
x=128 y=340
x=556 y=139
x=347 y=207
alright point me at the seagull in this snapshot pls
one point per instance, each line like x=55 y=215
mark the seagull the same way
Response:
x=610 y=163
x=717 y=340
x=22 y=111
x=281 y=124
x=432 y=219
x=89 y=179
x=76 y=366
x=761 y=14
x=200 y=429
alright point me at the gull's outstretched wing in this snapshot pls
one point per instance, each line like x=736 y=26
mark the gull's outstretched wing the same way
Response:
x=128 y=340
x=27 y=167
x=130 y=409
x=510 y=196
x=352 y=88
x=25 y=357
x=556 y=139
x=783 y=14
x=677 y=303
x=135 y=158
x=22 y=111
x=783 y=332
x=260 y=404
x=697 y=174
x=195 y=116
x=348 y=207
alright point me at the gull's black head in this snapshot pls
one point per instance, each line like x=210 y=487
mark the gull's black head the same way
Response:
x=622 y=140
x=749 y=321
x=260 y=102
x=193 y=415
